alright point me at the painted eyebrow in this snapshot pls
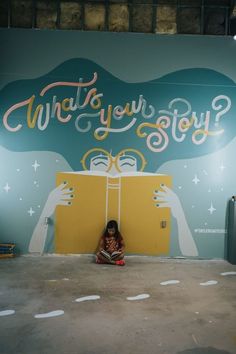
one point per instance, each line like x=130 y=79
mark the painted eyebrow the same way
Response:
x=127 y=163
x=100 y=163
x=100 y=157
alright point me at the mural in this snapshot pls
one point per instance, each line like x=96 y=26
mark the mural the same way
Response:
x=133 y=152
x=113 y=195
x=160 y=118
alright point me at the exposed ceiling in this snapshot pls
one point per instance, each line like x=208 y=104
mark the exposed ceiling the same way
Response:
x=212 y=17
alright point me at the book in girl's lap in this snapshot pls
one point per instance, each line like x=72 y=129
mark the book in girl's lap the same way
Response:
x=111 y=246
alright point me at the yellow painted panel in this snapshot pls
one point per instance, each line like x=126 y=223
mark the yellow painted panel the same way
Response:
x=127 y=199
x=141 y=220
x=79 y=226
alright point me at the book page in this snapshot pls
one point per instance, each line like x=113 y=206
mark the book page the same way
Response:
x=127 y=198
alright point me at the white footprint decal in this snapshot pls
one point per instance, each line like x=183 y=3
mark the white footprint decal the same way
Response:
x=209 y=282
x=169 y=282
x=228 y=273
x=138 y=297
x=7 y=312
x=88 y=298
x=50 y=314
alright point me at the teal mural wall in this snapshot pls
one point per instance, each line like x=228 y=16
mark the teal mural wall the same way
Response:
x=169 y=101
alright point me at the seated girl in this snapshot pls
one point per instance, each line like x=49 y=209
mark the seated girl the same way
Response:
x=111 y=246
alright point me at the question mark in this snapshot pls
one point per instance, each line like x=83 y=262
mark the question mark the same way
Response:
x=219 y=107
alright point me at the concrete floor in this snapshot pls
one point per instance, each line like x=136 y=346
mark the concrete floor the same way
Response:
x=181 y=318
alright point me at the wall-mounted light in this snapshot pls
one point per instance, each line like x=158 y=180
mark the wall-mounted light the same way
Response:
x=163 y=224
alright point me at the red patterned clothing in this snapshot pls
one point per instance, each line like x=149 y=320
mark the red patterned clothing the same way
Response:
x=111 y=244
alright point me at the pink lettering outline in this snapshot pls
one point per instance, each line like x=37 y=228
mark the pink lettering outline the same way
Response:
x=72 y=84
x=8 y=112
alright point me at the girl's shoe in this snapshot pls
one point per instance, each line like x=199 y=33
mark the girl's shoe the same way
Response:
x=120 y=262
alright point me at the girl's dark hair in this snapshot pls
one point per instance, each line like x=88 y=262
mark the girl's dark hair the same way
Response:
x=112 y=224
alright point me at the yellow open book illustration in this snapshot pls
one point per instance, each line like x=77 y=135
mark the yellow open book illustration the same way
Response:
x=100 y=197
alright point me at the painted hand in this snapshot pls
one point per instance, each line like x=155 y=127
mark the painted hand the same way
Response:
x=166 y=198
x=58 y=196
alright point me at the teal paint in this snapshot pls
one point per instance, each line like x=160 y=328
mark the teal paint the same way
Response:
x=126 y=69
x=175 y=99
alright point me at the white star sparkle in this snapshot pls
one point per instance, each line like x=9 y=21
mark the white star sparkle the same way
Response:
x=211 y=209
x=196 y=180
x=31 y=211
x=35 y=165
x=7 y=187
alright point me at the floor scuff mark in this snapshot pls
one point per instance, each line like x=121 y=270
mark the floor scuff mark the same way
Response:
x=170 y=282
x=228 y=273
x=138 y=297
x=7 y=312
x=50 y=314
x=209 y=282
x=88 y=298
